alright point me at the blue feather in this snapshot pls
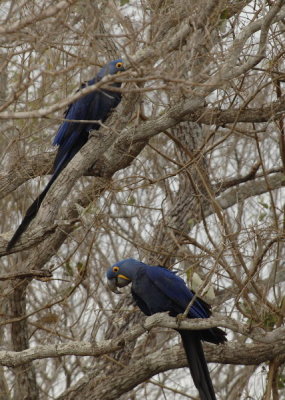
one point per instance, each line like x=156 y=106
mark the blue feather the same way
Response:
x=175 y=288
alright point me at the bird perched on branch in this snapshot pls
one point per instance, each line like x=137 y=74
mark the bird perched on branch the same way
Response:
x=156 y=289
x=71 y=136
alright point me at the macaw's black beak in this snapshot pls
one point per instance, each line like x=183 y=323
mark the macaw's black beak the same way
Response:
x=112 y=283
x=118 y=281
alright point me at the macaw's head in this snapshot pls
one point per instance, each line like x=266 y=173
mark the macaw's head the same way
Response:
x=122 y=273
x=112 y=68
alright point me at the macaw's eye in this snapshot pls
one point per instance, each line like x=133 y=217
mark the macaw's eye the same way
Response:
x=115 y=269
x=119 y=64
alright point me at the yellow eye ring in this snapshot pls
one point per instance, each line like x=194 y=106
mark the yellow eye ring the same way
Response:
x=119 y=64
x=116 y=269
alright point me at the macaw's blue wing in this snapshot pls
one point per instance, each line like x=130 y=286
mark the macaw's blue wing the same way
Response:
x=71 y=136
x=175 y=289
x=167 y=292
x=73 y=112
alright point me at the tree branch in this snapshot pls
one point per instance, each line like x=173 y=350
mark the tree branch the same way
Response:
x=77 y=348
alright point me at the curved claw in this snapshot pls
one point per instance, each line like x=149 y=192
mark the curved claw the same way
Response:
x=180 y=318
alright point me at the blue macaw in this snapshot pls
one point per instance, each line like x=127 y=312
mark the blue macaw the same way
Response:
x=156 y=289
x=71 y=136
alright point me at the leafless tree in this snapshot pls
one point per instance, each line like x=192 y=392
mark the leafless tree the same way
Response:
x=188 y=173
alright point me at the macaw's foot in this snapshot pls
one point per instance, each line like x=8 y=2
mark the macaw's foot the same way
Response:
x=180 y=318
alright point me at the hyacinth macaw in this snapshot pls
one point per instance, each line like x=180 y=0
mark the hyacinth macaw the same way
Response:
x=71 y=136
x=156 y=289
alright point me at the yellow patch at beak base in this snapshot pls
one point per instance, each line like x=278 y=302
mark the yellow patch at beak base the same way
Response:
x=123 y=277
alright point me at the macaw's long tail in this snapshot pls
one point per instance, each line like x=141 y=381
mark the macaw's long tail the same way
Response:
x=197 y=364
x=31 y=213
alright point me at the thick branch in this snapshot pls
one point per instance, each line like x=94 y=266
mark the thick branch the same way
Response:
x=77 y=348
x=127 y=378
